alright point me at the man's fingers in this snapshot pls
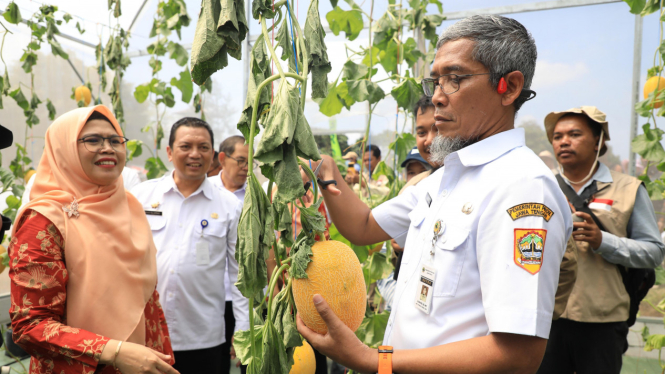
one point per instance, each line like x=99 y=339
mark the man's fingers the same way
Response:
x=333 y=190
x=586 y=217
x=306 y=332
x=328 y=316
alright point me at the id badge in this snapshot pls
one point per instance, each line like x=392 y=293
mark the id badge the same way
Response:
x=425 y=288
x=202 y=254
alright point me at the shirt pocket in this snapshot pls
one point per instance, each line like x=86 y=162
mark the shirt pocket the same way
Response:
x=215 y=229
x=417 y=216
x=156 y=223
x=449 y=254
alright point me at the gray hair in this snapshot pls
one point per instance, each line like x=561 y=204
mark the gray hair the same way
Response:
x=502 y=44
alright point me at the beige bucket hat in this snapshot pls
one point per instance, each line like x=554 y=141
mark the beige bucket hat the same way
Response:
x=350 y=155
x=591 y=112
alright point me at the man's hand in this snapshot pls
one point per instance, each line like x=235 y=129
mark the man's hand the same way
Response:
x=396 y=246
x=325 y=173
x=587 y=231
x=340 y=343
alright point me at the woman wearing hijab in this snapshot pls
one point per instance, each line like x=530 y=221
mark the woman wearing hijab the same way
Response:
x=82 y=259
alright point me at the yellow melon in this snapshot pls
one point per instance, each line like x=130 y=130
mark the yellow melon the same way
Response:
x=654 y=84
x=29 y=175
x=82 y=93
x=303 y=360
x=335 y=274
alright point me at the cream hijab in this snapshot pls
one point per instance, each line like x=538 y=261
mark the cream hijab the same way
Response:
x=109 y=251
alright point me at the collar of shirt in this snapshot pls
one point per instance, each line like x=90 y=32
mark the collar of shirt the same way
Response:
x=601 y=175
x=217 y=181
x=491 y=148
x=205 y=187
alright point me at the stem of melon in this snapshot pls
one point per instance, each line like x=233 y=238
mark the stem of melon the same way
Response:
x=271 y=288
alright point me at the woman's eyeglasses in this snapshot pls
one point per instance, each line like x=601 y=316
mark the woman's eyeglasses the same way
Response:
x=94 y=143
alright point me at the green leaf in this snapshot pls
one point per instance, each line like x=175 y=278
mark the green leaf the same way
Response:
x=385 y=28
x=7 y=85
x=282 y=217
x=167 y=98
x=51 y=109
x=374 y=54
x=311 y=219
x=34 y=101
x=316 y=48
x=377 y=267
x=141 y=92
x=650 y=6
x=21 y=101
x=134 y=148
x=660 y=276
x=332 y=104
x=242 y=341
x=429 y=25
x=648 y=144
x=383 y=169
x=364 y=89
x=654 y=188
x=178 y=53
x=388 y=57
x=155 y=64
x=220 y=31
x=411 y=53
x=372 y=329
x=12 y=13
x=262 y=7
x=353 y=71
x=656 y=341
x=184 y=84
x=29 y=60
x=287 y=136
x=283 y=39
x=57 y=50
x=302 y=256
x=407 y=94
x=80 y=28
x=259 y=66
x=349 y=21
x=155 y=167
x=115 y=5
x=255 y=238
x=402 y=146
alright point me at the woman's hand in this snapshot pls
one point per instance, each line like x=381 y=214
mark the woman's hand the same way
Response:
x=136 y=359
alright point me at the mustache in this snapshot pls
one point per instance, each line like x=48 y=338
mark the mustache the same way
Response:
x=440 y=113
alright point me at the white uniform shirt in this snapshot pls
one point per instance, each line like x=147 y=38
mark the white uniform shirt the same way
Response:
x=193 y=296
x=240 y=194
x=479 y=288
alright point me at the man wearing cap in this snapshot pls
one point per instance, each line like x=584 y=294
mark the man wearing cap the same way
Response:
x=488 y=231
x=415 y=164
x=590 y=336
x=354 y=169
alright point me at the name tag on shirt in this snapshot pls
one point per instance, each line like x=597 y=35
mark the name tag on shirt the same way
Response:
x=202 y=254
x=601 y=204
x=425 y=288
x=153 y=213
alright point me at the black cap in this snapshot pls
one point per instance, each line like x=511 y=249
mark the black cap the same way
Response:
x=6 y=137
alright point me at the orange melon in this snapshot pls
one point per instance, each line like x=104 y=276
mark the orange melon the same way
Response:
x=334 y=273
x=303 y=360
x=29 y=175
x=654 y=84
x=83 y=93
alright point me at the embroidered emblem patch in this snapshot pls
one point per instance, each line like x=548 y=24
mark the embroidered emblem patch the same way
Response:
x=529 y=249
x=530 y=209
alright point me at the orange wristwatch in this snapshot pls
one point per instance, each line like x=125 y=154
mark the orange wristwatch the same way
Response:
x=385 y=359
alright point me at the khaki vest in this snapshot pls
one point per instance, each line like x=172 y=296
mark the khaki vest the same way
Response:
x=599 y=294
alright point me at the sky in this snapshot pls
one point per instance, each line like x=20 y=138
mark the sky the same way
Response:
x=585 y=57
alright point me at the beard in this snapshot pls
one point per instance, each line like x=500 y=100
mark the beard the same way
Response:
x=443 y=146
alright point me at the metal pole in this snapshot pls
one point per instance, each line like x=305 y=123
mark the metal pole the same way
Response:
x=635 y=96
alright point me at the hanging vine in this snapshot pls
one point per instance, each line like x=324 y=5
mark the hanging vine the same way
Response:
x=171 y=16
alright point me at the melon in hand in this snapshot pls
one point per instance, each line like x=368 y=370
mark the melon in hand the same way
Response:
x=335 y=274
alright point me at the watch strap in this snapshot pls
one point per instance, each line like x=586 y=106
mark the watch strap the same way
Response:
x=385 y=359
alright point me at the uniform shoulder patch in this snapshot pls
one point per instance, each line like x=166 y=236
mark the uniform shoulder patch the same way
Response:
x=529 y=249
x=530 y=209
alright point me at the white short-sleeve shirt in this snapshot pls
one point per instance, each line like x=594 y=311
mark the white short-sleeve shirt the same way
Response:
x=191 y=291
x=493 y=275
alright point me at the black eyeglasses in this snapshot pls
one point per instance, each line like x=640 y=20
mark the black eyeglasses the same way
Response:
x=243 y=162
x=94 y=143
x=449 y=83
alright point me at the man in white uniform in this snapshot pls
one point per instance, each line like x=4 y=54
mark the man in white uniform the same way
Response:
x=488 y=232
x=232 y=157
x=194 y=225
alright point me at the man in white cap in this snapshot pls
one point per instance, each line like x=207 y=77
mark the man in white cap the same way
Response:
x=615 y=229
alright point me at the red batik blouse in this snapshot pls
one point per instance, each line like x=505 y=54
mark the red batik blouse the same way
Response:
x=38 y=296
